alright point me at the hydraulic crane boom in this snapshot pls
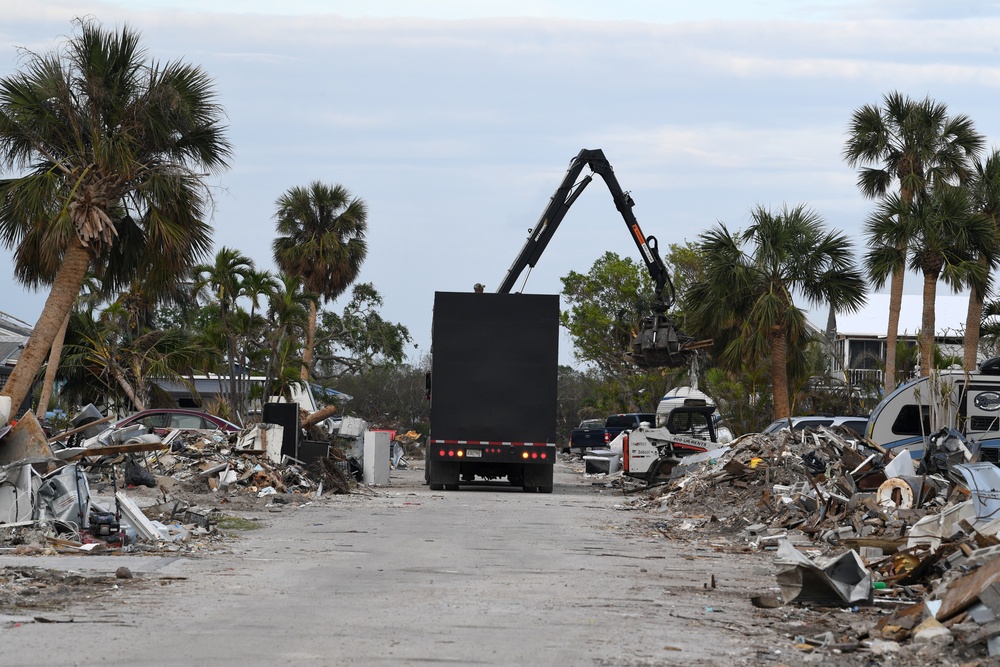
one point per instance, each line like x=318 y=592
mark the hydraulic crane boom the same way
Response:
x=567 y=193
x=658 y=342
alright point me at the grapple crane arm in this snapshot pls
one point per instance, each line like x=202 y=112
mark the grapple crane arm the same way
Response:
x=658 y=342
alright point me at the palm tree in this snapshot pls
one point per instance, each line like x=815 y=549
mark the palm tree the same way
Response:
x=985 y=188
x=112 y=151
x=946 y=239
x=125 y=360
x=745 y=297
x=256 y=284
x=321 y=240
x=913 y=143
x=288 y=316
x=223 y=280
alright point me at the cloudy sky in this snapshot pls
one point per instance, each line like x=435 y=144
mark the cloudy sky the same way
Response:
x=455 y=119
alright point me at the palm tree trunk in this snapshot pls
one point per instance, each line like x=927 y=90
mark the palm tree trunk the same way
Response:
x=973 y=320
x=927 y=323
x=51 y=369
x=779 y=373
x=65 y=289
x=892 y=331
x=307 y=352
x=127 y=387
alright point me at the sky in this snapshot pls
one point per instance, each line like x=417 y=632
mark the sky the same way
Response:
x=455 y=120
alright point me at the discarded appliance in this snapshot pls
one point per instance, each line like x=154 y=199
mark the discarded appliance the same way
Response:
x=64 y=497
x=17 y=494
x=376 y=457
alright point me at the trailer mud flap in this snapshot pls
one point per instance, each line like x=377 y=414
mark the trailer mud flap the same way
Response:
x=443 y=474
x=538 y=478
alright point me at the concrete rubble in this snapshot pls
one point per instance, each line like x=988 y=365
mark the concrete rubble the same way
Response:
x=910 y=548
x=95 y=489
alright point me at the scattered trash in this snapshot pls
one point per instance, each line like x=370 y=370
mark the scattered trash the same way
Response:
x=856 y=527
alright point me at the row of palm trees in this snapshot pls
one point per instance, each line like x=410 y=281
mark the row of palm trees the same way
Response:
x=112 y=153
x=941 y=223
x=937 y=210
x=112 y=150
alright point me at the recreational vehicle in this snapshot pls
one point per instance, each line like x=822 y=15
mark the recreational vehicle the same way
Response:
x=969 y=402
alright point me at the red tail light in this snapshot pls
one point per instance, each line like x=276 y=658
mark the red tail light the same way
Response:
x=607 y=437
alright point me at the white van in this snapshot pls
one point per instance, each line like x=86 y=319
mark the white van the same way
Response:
x=969 y=402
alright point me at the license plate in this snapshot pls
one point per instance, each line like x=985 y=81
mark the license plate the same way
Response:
x=474 y=453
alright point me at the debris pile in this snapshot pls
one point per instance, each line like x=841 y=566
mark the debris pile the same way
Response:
x=851 y=525
x=78 y=491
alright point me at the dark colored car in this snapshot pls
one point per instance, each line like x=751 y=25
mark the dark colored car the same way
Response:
x=165 y=419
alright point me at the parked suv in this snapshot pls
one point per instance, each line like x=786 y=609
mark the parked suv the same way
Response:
x=856 y=424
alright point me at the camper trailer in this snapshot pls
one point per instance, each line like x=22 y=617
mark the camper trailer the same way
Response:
x=969 y=402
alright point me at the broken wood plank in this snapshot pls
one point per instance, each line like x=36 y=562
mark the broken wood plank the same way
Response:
x=963 y=593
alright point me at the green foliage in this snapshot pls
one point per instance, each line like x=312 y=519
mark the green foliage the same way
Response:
x=916 y=144
x=321 y=237
x=106 y=359
x=687 y=266
x=604 y=307
x=744 y=399
x=744 y=299
x=358 y=337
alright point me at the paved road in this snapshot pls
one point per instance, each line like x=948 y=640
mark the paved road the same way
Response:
x=483 y=576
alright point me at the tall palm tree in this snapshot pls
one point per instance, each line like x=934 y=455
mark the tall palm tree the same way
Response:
x=112 y=151
x=947 y=240
x=222 y=281
x=745 y=295
x=321 y=240
x=913 y=143
x=985 y=189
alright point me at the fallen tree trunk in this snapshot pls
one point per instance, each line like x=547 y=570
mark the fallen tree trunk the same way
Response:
x=319 y=416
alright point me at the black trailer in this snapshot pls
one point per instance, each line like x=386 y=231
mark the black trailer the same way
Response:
x=493 y=383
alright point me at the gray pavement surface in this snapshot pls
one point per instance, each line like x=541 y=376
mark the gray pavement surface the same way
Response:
x=487 y=575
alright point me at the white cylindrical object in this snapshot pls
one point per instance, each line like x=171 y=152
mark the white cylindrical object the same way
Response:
x=896 y=493
x=4 y=409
